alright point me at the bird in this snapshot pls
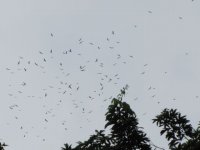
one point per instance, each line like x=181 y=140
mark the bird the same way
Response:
x=65 y=52
x=180 y=18
x=82 y=68
x=149 y=88
x=144 y=113
x=131 y=56
x=64 y=92
x=118 y=56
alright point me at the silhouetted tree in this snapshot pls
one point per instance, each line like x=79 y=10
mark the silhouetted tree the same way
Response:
x=124 y=131
x=126 y=135
x=67 y=147
x=2 y=146
x=179 y=131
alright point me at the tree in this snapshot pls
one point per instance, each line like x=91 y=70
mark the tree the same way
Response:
x=126 y=135
x=2 y=146
x=124 y=131
x=179 y=131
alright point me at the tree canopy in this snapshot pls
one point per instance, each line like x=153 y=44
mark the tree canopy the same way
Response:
x=125 y=134
x=2 y=146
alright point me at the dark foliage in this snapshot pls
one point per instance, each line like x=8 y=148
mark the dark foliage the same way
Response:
x=67 y=147
x=124 y=131
x=126 y=135
x=179 y=132
x=98 y=141
x=2 y=146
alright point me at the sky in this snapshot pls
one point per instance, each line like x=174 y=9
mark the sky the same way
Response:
x=62 y=62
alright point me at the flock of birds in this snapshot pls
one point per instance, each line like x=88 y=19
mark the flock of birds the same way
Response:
x=63 y=82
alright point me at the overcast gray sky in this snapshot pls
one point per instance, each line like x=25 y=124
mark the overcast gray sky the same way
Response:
x=46 y=100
